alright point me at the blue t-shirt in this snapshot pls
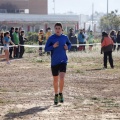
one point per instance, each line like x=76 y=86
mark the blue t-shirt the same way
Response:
x=7 y=40
x=58 y=54
x=81 y=37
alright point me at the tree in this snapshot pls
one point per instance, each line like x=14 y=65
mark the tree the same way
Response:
x=110 y=21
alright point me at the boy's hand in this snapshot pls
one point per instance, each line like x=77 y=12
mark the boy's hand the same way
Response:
x=65 y=47
x=56 y=44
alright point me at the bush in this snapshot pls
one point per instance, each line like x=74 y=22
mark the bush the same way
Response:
x=32 y=37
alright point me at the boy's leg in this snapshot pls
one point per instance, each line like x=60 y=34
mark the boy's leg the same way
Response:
x=55 y=84
x=55 y=73
x=61 y=83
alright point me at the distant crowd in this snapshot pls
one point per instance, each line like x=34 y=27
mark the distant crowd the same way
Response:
x=16 y=37
x=83 y=37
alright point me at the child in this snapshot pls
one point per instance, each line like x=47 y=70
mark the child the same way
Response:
x=91 y=40
x=22 y=40
x=48 y=34
x=58 y=44
x=6 y=42
x=40 y=39
x=107 y=46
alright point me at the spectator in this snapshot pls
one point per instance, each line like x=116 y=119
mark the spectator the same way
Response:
x=91 y=40
x=40 y=39
x=16 y=41
x=11 y=48
x=1 y=41
x=113 y=37
x=22 y=40
x=85 y=39
x=81 y=38
x=118 y=40
x=107 y=46
x=48 y=34
x=72 y=39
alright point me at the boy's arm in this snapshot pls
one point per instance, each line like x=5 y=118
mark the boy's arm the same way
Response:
x=49 y=45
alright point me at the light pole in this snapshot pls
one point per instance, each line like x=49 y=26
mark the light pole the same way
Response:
x=54 y=6
x=92 y=15
x=107 y=13
x=107 y=6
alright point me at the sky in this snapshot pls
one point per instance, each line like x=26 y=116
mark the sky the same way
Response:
x=82 y=6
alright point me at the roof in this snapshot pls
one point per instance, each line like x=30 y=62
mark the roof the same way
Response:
x=37 y=18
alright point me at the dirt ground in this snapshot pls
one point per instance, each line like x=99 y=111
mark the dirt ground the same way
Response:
x=91 y=93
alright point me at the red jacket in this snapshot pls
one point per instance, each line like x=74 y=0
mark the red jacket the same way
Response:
x=107 y=44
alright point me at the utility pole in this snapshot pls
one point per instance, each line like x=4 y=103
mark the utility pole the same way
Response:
x=54 y=6
x=92 y=15
x=107 y=12
x=107 y=7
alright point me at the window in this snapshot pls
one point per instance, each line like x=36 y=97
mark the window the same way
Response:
x=3 y=11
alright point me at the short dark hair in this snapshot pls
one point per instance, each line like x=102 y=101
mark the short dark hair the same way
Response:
x=41 y=30
x=22 y=31
x=58 y=24
x=104 y=33
x=12 y=28
x=6 y=33
x=16 y=29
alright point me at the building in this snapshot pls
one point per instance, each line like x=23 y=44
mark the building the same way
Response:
x=35 y=22
x=24 y=6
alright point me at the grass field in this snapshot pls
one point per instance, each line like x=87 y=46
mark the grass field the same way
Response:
x=91 y=93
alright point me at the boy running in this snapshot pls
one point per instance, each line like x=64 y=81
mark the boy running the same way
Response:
x=58 y=44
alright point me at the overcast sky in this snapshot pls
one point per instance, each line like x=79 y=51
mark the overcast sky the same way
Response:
x=82 y=6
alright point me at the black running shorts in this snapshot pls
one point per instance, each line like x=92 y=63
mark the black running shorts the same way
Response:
x=58 y=68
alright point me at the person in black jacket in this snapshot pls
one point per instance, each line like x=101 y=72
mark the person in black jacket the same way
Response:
x=118 y=40
x=11 y=48
x=1 y=41
x=73 y=39
x=113 y=37
x=22 y=41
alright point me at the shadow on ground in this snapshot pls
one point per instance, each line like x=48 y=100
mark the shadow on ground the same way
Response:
x=13 y=115
x=95 y=69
